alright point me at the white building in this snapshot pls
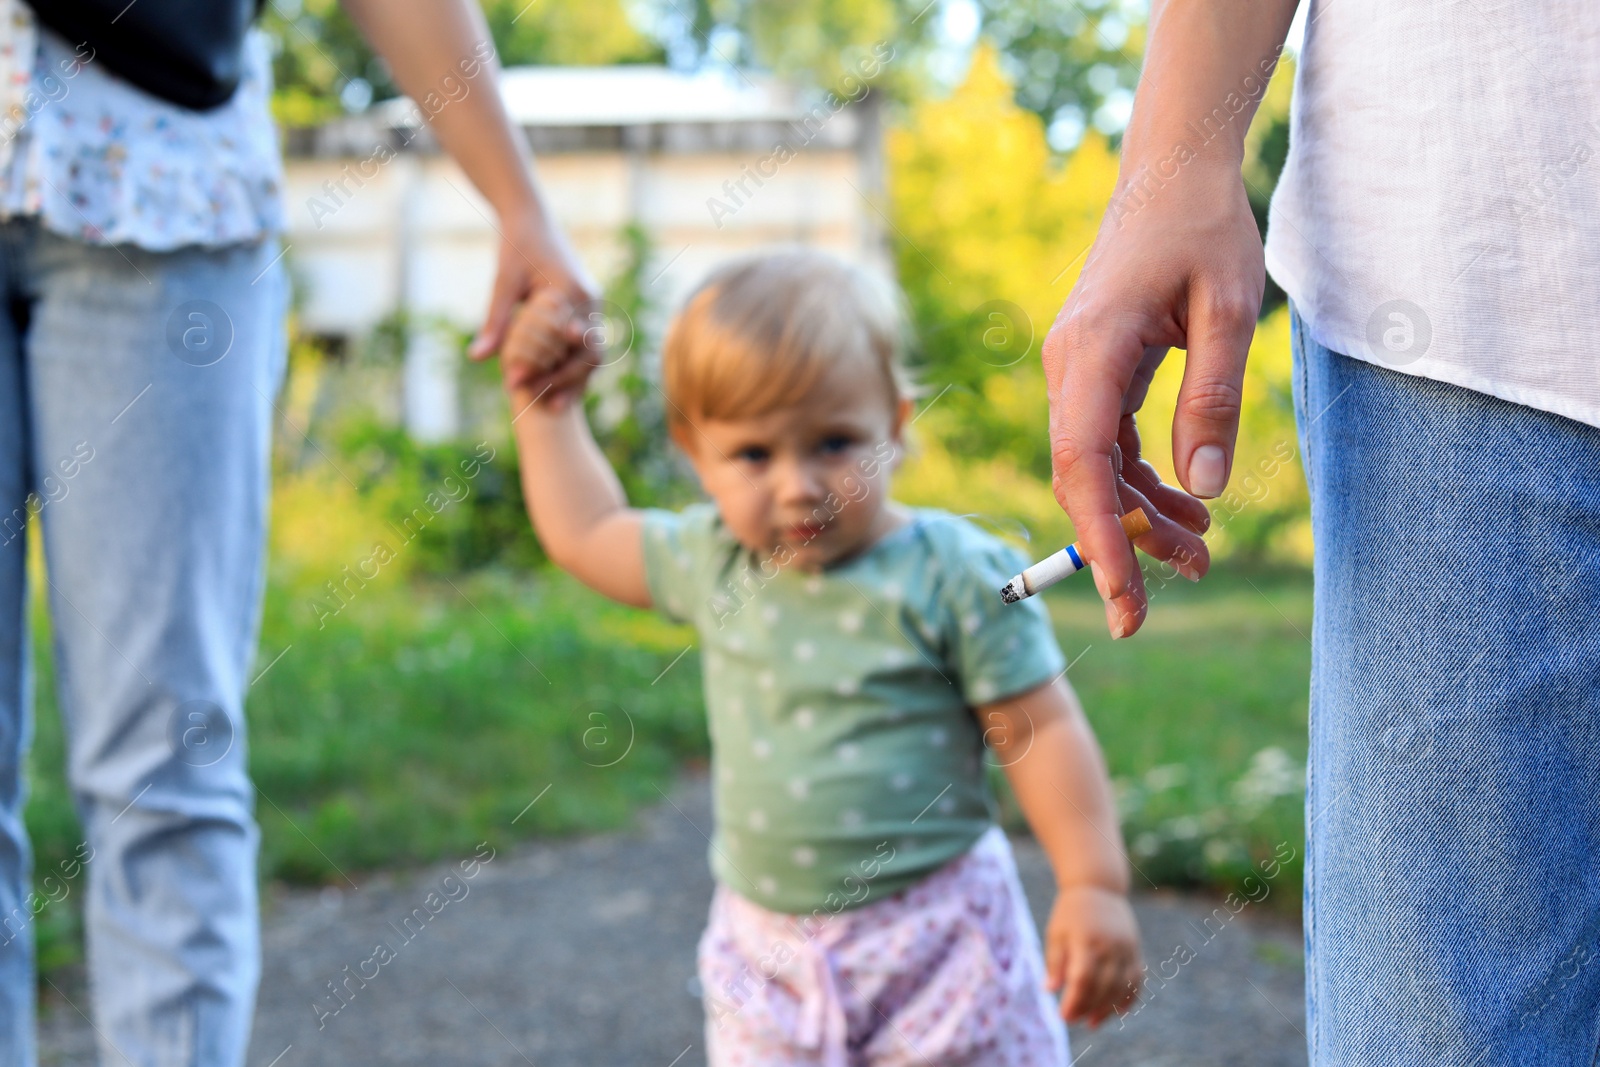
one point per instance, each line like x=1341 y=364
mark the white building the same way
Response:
x=711 y=165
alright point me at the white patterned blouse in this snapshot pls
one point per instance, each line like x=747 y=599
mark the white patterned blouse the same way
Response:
x=101 y=161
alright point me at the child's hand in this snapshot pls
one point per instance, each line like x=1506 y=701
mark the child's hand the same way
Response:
x=543 y=355
x=1092 y=945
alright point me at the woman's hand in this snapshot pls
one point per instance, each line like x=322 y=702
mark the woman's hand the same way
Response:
x=1177 y=264
x=534 y=257
x=1091 y=947
x=1182 y=269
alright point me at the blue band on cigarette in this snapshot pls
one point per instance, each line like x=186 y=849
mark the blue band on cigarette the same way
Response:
x=1077 y=560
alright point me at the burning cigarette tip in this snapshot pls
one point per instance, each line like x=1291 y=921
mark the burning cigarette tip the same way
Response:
x=1069 y=560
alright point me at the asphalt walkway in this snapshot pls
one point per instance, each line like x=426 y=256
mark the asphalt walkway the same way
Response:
x=580 y=953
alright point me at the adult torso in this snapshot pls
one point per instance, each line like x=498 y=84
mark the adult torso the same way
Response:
x=1439 y=212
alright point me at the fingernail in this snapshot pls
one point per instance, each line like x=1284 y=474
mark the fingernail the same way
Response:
x=1207 y=471
x=1188 y=570
x=1099 y=581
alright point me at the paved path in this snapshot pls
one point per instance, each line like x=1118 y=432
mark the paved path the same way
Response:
x=580 y=953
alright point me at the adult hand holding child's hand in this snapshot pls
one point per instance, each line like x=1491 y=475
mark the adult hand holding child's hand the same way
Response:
x=538 y=281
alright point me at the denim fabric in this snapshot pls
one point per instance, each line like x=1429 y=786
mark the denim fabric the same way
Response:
x=1453 y=811
x=135 y=401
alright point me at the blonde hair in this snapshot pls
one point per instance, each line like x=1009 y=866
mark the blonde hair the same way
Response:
x=762 y=331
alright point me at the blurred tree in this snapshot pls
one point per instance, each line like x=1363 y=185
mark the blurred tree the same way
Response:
x=323 y=67
x=824 y=43
x=992 y=231
x=628 y=410
x=577 y=33
x=992 y=234
x=1074 y=65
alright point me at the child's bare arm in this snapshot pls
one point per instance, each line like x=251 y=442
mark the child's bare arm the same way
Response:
x=574 y=499
x=1049 y=754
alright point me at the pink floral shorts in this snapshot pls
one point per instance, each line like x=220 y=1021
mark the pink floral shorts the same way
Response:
x=946 y=972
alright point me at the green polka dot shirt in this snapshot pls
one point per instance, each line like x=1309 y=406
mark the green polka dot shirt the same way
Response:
x=847 y=763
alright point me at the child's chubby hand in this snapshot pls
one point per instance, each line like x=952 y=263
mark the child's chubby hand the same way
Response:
x=1092 y=948
x=544 y=356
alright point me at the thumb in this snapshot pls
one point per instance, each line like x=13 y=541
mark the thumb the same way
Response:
x=1205 y=425
x=498 y=317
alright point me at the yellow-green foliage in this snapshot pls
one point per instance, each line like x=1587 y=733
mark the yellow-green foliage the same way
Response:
x=320 y=521
x=985 y=215
x=575 y=33
x=318 y=49
x=1265 y=512
x=981 y=205
x=1271 y=121
x=320 y=525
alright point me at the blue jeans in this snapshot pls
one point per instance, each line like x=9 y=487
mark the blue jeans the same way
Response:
x=1453 y=812
x=136 y=406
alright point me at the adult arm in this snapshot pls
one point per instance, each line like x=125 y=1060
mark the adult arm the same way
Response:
x=1177 y=263
x=437 y=48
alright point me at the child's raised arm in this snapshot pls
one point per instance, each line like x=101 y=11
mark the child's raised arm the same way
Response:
x=1049 y=754
x=574 y=499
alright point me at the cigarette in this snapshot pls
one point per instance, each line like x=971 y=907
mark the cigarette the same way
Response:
x=1069 y=560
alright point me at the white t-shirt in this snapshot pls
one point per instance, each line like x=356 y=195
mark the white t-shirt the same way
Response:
x=1439 y=212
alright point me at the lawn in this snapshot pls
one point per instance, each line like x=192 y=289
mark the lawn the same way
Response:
x=1202 y=716
x=431 y=714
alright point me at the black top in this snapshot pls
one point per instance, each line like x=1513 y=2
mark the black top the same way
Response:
x=188 y=52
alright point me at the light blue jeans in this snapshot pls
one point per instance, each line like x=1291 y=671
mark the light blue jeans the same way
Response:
x=1453 y=856
x=136 y=395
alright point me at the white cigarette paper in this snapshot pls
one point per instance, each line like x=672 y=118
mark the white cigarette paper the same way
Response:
x=1068 y=561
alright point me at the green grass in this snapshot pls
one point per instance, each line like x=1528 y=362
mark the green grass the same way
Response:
x=1202 y=716
x=426 y=717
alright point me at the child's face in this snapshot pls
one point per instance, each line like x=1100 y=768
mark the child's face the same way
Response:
x=810 y=481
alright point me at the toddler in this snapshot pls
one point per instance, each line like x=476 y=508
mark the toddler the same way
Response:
x=857 y=657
